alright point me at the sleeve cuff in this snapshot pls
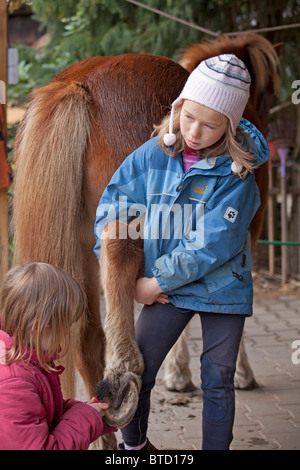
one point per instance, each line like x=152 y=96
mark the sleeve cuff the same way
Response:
x=159 y=279
x=176 y=270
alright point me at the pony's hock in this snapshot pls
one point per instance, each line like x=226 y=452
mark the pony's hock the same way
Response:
x=121 y=392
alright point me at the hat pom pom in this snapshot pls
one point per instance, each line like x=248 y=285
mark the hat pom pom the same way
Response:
x=169 y=139
x=236 y=167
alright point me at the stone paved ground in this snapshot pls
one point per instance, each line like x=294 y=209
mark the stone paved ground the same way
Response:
x=267 y=418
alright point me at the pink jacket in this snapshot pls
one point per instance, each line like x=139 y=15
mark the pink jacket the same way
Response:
x=33 y=413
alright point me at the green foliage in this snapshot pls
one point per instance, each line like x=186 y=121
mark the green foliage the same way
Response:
x=85 y=28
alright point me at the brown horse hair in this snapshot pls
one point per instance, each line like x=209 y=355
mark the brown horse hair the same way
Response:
x=120 y=256
x=53 y=138
x=50 y=147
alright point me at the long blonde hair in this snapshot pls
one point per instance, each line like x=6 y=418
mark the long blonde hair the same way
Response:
x=36 y=297
x=235 y=146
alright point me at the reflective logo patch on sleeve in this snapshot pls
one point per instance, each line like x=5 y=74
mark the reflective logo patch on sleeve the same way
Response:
x=231 y=214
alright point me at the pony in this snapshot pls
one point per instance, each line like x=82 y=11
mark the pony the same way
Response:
x=76 y=132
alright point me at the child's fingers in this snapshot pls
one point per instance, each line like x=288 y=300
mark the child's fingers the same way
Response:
x=163 y=299
x=102 y=404
x=99 y=407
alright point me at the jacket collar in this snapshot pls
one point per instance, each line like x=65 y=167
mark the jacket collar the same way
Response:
x=216 y=166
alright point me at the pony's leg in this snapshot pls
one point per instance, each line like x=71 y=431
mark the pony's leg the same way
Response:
x=178 y=376
x=87 y=348
x=88 y=339
x=89 y=343
x=121 y=264
x=244 y=377
x=90 y=346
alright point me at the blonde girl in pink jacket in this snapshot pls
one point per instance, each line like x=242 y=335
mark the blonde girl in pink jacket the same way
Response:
x=39 y=304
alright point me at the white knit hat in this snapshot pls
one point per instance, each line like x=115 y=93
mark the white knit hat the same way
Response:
x=221 y=83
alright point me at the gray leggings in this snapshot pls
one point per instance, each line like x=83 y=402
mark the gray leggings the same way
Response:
x=157 y=329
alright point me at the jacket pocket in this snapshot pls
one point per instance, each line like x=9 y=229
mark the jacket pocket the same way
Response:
x=219 y=278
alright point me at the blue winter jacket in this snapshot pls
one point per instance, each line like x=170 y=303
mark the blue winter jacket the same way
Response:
x=196 y=231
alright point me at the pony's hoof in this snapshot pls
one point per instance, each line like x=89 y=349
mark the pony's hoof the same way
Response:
x=121 y=392
x=181 y=388
x=243 y=385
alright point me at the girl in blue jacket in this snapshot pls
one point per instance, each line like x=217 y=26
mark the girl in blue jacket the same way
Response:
x=194 y=184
